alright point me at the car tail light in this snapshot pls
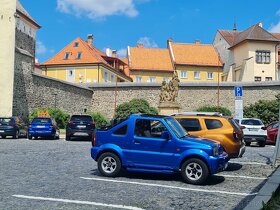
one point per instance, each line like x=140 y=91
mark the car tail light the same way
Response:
x=235 y=135
x=94 y=139
x=12 y=124
x=263 y=128
x=92 y=124
x=52 y=126
x=69 y=123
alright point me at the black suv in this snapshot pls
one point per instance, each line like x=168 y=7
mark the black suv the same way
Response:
x=80 y=126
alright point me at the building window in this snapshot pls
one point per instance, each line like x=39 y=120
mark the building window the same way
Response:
x=184 y=74
x=105 y=76
x=268 y=79
x=138 y=79
x=66 y=56
x=197 y=74
x=76 y=44
x=79 y=55
x=258 y=79
x=112 y=77
x=209 y=75
x=263 y=56
x=152 y=79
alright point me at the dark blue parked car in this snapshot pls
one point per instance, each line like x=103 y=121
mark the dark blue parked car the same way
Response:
x=44 y=127
x=157 y=144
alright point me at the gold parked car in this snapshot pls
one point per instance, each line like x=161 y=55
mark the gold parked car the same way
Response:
x=214 y=126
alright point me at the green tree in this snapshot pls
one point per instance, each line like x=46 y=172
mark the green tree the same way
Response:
x=59 y=115
x=266 y=110
x=134 y=106
x=220 y=109
x=99 y=119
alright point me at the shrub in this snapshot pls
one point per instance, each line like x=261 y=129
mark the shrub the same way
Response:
x=99 y=119
x=59 y=115
x=134 y=106
x=266 y=110
x=220 y=109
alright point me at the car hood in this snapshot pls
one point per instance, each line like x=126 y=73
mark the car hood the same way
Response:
x=197 y=139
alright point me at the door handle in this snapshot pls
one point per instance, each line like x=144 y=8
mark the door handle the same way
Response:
x=136 y=141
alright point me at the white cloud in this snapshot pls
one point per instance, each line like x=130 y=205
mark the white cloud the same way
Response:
x=40 y=48
x=148 y=42
x=122 y=53
x=275 y=28
x=98 y=9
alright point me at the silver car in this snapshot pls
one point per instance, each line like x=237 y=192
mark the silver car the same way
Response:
x=254 y=131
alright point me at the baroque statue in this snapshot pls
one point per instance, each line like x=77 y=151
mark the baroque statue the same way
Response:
x=169 y=91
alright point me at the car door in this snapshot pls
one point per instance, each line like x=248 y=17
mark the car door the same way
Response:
x=148 y=149
x=272 y=132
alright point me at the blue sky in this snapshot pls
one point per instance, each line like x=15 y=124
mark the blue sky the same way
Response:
x=121 y=23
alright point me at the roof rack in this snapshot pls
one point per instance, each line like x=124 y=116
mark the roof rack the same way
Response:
x=216 y=114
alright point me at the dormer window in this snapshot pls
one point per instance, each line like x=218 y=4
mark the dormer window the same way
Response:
x=76 y=44
x=66 y=56
x=79 y=55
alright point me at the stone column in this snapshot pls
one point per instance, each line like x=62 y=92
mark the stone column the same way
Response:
x=7 y=55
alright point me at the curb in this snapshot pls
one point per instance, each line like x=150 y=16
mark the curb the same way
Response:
x=265 y=193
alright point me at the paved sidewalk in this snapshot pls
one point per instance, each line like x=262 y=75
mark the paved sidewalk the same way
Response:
x=266 y=191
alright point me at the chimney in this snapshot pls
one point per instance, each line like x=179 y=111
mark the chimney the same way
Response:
x=197 y=41
x=109 y=52
x=140 y=45
x=114 y=53
x=90 y=39
x=169 y=41
x=260 y=24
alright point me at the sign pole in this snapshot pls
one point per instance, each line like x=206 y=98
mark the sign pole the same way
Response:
x=277 y=146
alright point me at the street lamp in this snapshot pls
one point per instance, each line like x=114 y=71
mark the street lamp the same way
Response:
x=55 y=99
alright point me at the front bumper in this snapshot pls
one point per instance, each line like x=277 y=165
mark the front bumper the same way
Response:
x=218 y=163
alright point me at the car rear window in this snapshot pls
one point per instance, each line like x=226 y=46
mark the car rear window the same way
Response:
x=251 y=122
x=41 y=120
x=7 y=120
x=84 y=118
x=213 y=124
x=190 y=124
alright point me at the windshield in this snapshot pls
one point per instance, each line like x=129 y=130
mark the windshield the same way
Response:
x=251 y=122
x=176 y=127
x=83 y=118
x=41 y=120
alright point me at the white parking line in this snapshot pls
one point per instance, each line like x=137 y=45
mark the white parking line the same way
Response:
x=243 y=177
x=78 y=202
x=171 y=187
x=249 y=163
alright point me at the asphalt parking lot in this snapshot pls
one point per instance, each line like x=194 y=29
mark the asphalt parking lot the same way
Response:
x=55 y=174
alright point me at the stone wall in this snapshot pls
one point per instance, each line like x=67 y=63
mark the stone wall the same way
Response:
x=191 y=95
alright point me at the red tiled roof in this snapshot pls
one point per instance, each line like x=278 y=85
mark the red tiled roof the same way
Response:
x=150 y=59
x=195 y=54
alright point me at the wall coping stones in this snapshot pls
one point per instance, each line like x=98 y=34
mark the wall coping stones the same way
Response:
x=183 y=84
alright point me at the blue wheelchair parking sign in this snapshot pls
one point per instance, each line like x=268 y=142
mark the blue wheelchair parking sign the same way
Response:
x=238 y=92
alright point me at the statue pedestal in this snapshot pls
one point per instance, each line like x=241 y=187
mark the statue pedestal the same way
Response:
x=168 y=108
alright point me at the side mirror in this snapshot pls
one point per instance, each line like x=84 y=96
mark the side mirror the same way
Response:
x=165 y=135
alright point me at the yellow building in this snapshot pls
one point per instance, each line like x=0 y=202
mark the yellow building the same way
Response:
x=81 y=62
x=195 y=62
x=149 y=64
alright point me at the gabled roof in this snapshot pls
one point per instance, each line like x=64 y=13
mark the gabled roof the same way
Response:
x=255 y=32
x=154 y=59
x=276 y=35
x=22 y=11
x=195 y=54
x=90 y=54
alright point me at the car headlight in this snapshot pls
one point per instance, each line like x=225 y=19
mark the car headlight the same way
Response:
x=215 y=151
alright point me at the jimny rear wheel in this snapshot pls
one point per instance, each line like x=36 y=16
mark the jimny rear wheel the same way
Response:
x=109 y=164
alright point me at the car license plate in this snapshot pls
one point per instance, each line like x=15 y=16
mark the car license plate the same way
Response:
x=253 y=129
x=40 y=126
x=81 y=126
x=1 y=131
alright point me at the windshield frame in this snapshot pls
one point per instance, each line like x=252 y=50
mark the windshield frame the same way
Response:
x=176 y=127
